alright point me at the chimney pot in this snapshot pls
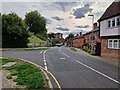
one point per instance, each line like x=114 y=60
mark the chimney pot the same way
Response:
x=80 y=33
x=94 y=25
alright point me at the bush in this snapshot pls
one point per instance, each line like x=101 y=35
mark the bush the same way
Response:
x=91 y=52
x=13 y=72
x=9 y=76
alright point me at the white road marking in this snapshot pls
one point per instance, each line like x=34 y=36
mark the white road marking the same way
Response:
x=41 y=52
x=98 y=72
x=45 y=62
x=66 y=54
x=62 y=58
x=44 y=54
x=46 y=68
x=108 y=77
x=60 y=49
x=63 y=53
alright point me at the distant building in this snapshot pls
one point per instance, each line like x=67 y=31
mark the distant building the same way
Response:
x=57 y=37
x=78 y=41
x=69 y=42
x=110 y=31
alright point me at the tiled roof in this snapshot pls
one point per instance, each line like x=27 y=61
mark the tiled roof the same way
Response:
x=111 y=11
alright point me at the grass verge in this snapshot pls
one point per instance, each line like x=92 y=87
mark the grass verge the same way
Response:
x=27 y=75
x=22 y=49
x=73 y=49
x=5 y=60
x=37 y=48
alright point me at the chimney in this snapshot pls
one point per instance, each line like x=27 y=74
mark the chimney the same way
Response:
x=80 y=33
x=94 y=25
x=77 y=35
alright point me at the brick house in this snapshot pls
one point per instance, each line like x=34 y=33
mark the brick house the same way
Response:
x=78 y=41
x=57 y=38
x=110 y=31
x=92 y=40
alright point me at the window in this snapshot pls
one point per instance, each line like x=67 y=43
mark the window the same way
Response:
x=118 y=21
x=110 y=44
x=114 y=43
x=109 y=23
x=113 y=22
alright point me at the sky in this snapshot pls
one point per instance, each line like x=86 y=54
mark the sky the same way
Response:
x=63 y=16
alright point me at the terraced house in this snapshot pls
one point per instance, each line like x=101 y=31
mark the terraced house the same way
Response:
x=110 y=31
x=92 y=38
x=78 y=41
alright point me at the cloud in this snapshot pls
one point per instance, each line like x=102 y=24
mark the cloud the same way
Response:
x=57 y=18
x=65 y=6
x=62 y=29
x=79 y=12
x=85 y=26
x=74 y=32
x=48 y=21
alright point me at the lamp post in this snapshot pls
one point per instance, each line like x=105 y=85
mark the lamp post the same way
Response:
x=91 y=15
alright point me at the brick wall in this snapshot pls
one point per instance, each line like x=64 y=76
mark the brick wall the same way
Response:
x=109 y=53
x=78 y=42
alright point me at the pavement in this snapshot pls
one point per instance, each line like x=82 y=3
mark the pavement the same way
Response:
x=73 y=69
x=5 y=83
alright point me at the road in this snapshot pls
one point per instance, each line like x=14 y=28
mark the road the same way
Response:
x=71 y=69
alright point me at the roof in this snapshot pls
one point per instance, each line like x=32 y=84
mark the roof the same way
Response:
x=59 y=33
x=111 y=11
x=94 y=30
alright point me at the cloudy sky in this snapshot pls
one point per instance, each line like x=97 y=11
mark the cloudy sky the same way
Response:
x=64 y=17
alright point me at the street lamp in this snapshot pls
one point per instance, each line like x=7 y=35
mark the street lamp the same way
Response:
x=92 y=24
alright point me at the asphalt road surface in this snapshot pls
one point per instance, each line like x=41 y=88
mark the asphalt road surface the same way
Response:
x=71 y=69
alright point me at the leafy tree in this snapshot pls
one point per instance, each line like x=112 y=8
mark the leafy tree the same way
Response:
x=69 y=36
x=36 y=23
x=14 y=31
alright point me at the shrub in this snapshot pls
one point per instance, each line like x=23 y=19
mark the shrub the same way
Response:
x=9 y=76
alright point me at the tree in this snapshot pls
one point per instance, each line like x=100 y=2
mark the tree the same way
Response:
x=69 y=36
x=36 y=23
x=14 y=31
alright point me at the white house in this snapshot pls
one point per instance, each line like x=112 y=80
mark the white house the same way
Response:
x=110 y=31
